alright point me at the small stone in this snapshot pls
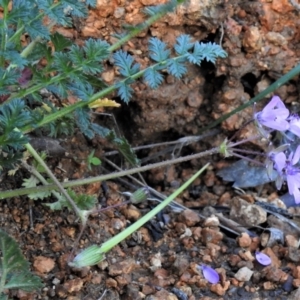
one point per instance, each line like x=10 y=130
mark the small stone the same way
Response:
x=212 y=221
x=252 y=40
x=269 y=286
x=296 y=283
x=69 y=231
x=156 y=261
x=111 y=283
x=43 y=264
x=283 y=7
x=181 y=264
x=247 y=255
x=96 y=279
x=123 y=267
x=243 y=274
x=276 y=38
x=164 y=294
x=194 y=99
x=291 y=241
x=211 y=236
x=234 y=260
x=123 y=280
x=248 y=264
x=244 y=240
x=189 y=217
x=132 y=213
x=218 y=289
x=74 y=285
x=119 y=12
x=295 y=295
x=247 y=214
x=108 y=76
x=275 y=261
x=275 y=275
x=293 y=254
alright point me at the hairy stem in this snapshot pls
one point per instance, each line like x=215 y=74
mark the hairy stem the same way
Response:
x=4 y=35
x=25 y=191
x=57 y=183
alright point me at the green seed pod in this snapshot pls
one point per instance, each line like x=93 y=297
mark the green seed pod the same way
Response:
x=140 y=195
x=88 y=257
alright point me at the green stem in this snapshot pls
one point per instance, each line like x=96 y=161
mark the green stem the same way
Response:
x=282 y=80
x=39 y=176
x=25 y=191
x=21 y=28
x=94 y=254
x=57 y=183
x=4 y=35
x=105 y=247
x=3 y=279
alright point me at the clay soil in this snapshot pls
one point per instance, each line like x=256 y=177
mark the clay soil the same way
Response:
x=160 y=261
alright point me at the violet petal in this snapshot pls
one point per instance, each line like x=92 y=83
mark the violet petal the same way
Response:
x=263 y=259
x=210 y=274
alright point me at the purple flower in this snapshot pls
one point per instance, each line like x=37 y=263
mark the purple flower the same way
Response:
x=293 y=174
x=276 y=161
x=274 y=115
x=262 y=258
x=294 y=121
x=287 y=167
x=210 y=274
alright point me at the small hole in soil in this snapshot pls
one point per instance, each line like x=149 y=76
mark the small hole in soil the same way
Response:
x=249 y=81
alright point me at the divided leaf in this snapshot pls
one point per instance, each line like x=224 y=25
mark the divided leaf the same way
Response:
x=14 y=267
x=183 y=44
x=82 y=201
x=209 y=51
x=176 y=67
x=153 y=78
x=60 y=42
x=124 y=61
x=124 y=90
x=158 y=51
x=125 y=149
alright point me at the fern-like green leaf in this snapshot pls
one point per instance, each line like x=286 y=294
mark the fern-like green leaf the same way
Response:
x=36 y=29
x=25 y=281
x=209 y=51
x=82 y=118
x=124 y=90
x=160 y=9
x=183 y=44
x=153 y=77
x=83 y=202
x=82 y=91
x=13 y=115
x=124 y=148
x=125 y=63
x=176 y=67
x=14 y=267
x=100 y=130
x=60 y=42
x=56 y=14
x=75 y=8
x=91 y=3
x=158 y=51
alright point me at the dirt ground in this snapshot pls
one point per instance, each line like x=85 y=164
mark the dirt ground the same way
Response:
x=160 y=261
